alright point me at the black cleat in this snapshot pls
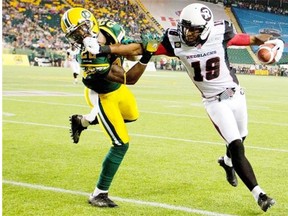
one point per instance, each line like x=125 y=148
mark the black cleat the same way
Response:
x=101 y=200
x=76 y=127
x=265 y=202
x=230 y=172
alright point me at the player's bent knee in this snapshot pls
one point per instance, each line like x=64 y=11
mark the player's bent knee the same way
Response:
x=236 y=148
x=121 y=149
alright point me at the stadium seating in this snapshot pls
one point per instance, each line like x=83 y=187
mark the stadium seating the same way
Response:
x=255 y=22
x=75 y=3
x=240 y=56
x=47 y=14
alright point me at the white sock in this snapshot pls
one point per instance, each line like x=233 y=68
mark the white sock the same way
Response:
x=92 y=115
x=228 y=161
x=256 y=191
x=97 y=191
x=85 y=122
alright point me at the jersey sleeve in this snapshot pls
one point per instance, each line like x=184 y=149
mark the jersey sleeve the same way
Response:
x=112 y=30
x=229 y=31
x=240 y=40
x=232 y=38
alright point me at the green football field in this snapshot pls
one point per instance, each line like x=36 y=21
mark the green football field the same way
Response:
x=171 y=167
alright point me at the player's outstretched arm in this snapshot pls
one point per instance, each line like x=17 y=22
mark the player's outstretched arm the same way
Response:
x=133 y=49
x=118 y=74
x=259 y=39
x=92 y=46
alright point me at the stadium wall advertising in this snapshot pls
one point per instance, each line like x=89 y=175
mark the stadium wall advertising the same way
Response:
x=14 y=59
x=255 y=22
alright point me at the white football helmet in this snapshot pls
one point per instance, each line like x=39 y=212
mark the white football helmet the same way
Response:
x=195 y=24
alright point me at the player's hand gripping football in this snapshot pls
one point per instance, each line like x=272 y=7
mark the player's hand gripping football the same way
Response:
x=278 y=47
x=91 y=44
x=151 y=42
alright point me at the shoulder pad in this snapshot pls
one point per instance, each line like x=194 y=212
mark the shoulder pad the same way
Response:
x=112 y=30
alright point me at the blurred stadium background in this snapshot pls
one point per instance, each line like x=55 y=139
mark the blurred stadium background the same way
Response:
x=32 y=34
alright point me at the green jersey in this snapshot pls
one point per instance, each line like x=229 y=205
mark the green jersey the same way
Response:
x=96 y=67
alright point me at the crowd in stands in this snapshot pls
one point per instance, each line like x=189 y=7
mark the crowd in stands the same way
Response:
x=24 y=28
x=258 y=7
x=168 y=63
x=35 y=25
x=275 y=70
x=129 y=15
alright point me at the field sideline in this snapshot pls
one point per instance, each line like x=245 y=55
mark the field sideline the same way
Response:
x=171 y=167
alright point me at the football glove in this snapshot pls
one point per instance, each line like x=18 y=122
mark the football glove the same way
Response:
x=278 y=47
x=151 y=42
x=91 y=44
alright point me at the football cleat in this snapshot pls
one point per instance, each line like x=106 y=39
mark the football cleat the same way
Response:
x=76 y=127
x=101 y=200
x=265 y=202
x=230 y=172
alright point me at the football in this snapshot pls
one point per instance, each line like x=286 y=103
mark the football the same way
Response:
x=265 y=54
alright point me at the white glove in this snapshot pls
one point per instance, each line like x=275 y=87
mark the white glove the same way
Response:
x=92 y=45
x=278 y=48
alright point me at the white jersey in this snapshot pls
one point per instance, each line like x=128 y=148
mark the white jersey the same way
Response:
x=72 y=54
x=208 y=66
x=71 y=61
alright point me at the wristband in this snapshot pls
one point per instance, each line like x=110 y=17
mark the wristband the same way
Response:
x=142 y=63
x=105 y=49
x=145 y=58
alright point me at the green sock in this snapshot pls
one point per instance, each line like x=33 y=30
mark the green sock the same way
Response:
x=110 y=165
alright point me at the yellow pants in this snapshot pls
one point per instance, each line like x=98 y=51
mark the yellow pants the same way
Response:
x=113 y=110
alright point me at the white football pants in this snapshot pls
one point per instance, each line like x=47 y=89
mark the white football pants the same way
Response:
x=229 y=116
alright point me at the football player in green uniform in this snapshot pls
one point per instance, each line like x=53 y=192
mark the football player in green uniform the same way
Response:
x=106 y=92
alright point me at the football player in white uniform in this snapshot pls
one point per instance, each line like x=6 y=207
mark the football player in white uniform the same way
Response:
x=201 y=44
x=71 y=61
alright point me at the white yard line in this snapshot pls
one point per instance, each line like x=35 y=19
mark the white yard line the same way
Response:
x=8 y=114
x=151 y=112
x=151 y=136
x=21 y=93
x=137 y=202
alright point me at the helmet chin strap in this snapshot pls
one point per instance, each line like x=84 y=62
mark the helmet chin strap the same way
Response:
x=205 y=33
x=203 y=41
